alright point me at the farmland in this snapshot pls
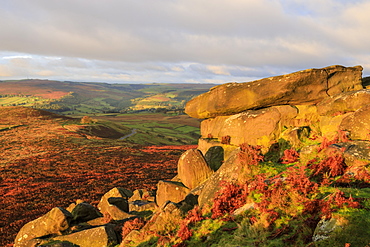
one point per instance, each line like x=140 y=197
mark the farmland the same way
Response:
x=71 y=98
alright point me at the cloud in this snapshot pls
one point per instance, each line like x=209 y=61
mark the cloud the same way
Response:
x=176 y=41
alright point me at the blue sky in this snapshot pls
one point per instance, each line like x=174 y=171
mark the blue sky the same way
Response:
x=193 y=41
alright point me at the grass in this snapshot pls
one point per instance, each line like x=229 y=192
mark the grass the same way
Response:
x=21 y=100
x=157 y=128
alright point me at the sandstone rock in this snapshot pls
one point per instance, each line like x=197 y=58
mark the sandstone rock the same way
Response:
x=306 y=116
x=140 y=206
x=229 y=171
x=303 y=87
x=83 y=212
x=192 y=168
x=105 y=206
x=98 y=221
x=54 y=222
x=142 y=195
x=102 y=236
x=169 y=216
x=116 y=213
x=357 y=124
x=214 y=157
x=170 y=191
x=330 y=126
x=343 y=103
x=255 y=127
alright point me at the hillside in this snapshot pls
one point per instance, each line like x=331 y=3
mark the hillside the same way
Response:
x=86 y=98
x=286 y=166
x=48 y=157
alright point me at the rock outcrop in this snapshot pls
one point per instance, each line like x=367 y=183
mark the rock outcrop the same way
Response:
x=244 y=124
x=303 y=87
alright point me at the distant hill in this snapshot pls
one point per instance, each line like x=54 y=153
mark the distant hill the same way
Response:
x=67 y=97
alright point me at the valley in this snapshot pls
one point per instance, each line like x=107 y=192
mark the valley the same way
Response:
x=73 y=98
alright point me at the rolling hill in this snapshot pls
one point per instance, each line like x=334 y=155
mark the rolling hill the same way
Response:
x=74 y=98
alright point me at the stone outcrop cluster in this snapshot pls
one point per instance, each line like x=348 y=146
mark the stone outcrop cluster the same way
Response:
x=326 y=102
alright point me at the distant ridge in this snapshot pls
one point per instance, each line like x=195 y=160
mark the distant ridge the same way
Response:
x=67 y=97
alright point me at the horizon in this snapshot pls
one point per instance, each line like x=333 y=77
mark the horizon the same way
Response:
x=179 y=42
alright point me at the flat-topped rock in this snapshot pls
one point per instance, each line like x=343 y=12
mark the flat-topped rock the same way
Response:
x=303 y=87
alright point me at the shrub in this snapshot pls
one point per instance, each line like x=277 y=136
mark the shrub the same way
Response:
x=290 y=156
x=135 y=224
x=229 y=198
x=225 y=140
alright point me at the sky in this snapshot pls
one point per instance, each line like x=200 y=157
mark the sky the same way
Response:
x=179 y=41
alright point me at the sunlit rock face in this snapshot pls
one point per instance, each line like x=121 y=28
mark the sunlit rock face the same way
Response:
x=303 y=87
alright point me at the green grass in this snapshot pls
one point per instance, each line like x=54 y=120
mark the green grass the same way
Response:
x=21 y=100
x=163 y=133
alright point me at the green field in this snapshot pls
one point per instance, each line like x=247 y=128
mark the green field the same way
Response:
x=157 y=128
x=71 y=98
x=21 y=100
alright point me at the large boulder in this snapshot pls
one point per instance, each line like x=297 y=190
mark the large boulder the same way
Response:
x=170 y=191
x=54 y=222
x=357 y=124
x=255 y=127
x=102 y=236
x=303 y=87
x=192 y=168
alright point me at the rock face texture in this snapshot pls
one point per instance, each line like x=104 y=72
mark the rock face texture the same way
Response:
x=358 y=124
x=241 y=127
x=170 y=191
x=54 y=222
x=303 y=87
x=102 y=236
x=193 y=168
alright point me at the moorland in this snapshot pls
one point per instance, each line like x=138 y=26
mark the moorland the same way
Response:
x=49 y=160
x=47 y=154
